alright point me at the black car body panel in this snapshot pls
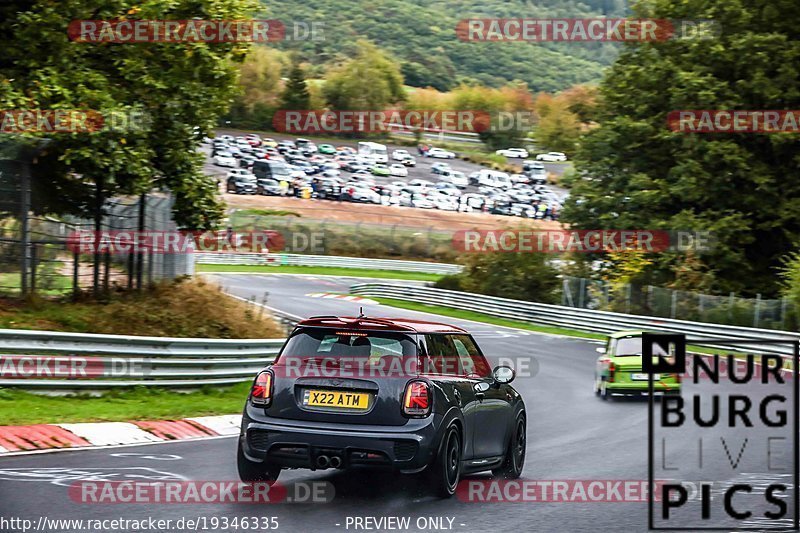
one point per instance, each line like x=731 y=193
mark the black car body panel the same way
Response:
x=290 y=434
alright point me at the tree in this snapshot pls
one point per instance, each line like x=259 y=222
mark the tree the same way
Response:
x=296 y=95
x=639 y=174
x=369 y=81
x=261 y=88
x=509 y=275
x=172 y=94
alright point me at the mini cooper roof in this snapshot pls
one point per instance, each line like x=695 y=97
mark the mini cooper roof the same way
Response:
x=379 y=324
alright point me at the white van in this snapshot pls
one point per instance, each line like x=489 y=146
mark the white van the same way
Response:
x=375 y=151
x=493 y=178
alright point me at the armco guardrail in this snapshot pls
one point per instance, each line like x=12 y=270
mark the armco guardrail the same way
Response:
x=326 y=261
x=113 y=361
x=712 y=335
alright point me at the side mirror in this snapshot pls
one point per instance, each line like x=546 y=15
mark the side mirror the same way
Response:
x=503 y=374
x=601 y=350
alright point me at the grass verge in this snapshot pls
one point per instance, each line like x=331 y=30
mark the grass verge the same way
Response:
x=327 y=271
x=21 y=408
x=185 y=308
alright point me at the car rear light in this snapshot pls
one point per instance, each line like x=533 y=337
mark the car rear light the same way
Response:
x=417 y=399
x=261 y=392
x=611 y=370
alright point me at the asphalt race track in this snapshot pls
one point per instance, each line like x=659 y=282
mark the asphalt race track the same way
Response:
x=572 y=435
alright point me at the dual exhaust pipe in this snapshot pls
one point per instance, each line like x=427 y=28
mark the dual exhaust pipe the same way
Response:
x=323 y=461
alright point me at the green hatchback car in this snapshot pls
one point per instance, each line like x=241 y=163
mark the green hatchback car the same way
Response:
x=380 y=170
x=619 y=369
x=326 y=149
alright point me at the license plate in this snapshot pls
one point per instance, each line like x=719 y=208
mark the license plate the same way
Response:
x=336 y=399
x=645 y=377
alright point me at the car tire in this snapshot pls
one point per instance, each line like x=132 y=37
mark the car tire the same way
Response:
x=515 y=454
x=252 y=472
x=445 y=472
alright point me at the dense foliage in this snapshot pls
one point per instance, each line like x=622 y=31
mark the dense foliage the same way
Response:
x=169 y=93
x=509 y=275
x=741 y=187
x=421 y=35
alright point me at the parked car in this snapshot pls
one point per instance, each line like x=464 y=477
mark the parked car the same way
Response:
x=355 y=166
x=443 y=202
x=284 y=146
x=420 y=185
x=439 y=153
x=224 y=159
x=409 y=161
x=513 y=152
x=439 y=168
x=241 y=183
x=247 y=161
x=329 y=188
x=421 y=201
x=271 y=143
x=254 y=140
x=327 y=149
x=268 y=187
x=397 y=170
x=380 y=169
x=399 y=155
x=360 y=193
x=447 y=188
x=305 y=146
x=451 y=415
x=272 y=169
x=552 y=157
x=618 y=369
x=455 y=177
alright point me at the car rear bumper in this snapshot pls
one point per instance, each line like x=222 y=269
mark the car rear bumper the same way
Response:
x=643 y=388
x=299 y=444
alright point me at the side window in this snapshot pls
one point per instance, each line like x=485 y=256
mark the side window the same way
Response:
x=472 y=360
x=443 y=358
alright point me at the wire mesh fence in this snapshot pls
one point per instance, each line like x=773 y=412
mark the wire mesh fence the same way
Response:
x=682 y=305
x=54 y=266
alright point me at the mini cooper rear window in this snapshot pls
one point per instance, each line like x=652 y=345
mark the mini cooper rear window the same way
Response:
x=316 y=342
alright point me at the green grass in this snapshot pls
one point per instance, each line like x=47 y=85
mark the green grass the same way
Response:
x=268 y=213
x=328 y=271
x=480 y=317
x=47 y=284
x=19 y=408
